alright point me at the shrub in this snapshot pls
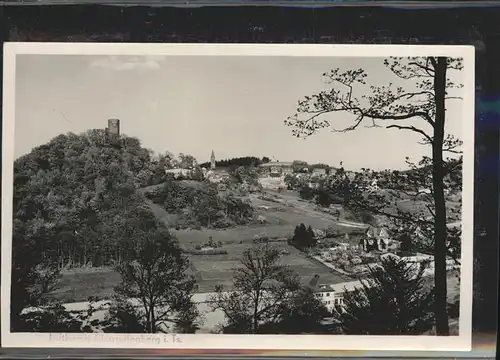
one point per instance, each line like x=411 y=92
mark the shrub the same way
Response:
x=319 y=234
x=333 y=233
x=366 y=217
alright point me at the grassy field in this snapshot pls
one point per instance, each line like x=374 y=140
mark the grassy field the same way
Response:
x=419 y=206
x=209 y=270
x=282 y=212
x=80 y=284
x=219 y=269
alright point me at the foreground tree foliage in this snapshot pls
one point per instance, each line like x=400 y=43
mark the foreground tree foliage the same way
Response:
x=35 y=271
x=265 y=298
x=155 y=275
x=72 y=199
x=417 y=105
x=303 y=313
x=393 y=301
x=53 y=317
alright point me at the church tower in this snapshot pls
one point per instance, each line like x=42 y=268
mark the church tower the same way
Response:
x=212 y=161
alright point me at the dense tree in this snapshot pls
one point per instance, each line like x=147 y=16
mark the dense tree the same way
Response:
x=248 y=175
x=155 y=173
x=202 y=205
x=392 y=301
x=81 y=188
x=35 y=269
x=303 y=237
x=72 y=200
x=155 y=274
x=306 y=192
x=300 y=166
x=123 y=317
x=304 y=313
x=406 y=243
x=186 y=161
x=262 y=285
x=417 y=105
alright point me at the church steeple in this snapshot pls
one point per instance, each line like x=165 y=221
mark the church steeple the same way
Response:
x=212 y=160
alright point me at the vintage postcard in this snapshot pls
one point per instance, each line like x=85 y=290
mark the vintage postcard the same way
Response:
x=195 y=196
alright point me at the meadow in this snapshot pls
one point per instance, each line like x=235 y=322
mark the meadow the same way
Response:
x=282 y=213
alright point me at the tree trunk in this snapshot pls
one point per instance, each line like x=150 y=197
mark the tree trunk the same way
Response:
x=440 y=229
x=153 y=321
x=255 y=320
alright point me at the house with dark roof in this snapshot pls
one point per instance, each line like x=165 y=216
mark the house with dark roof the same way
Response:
x=375 y=239
x=326 y=295
x=329 y=295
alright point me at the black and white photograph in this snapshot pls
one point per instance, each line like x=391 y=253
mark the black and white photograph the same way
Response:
x=177 y=195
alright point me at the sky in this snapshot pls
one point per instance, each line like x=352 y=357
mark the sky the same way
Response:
x=235 y=106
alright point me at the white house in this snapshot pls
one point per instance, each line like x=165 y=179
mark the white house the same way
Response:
x=217 y=176
x=176 y=173
x=332 y=295
x=373 y=186
x=319 y=171
x=327 y=296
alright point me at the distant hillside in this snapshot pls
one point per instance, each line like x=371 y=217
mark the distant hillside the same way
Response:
x=240 y=161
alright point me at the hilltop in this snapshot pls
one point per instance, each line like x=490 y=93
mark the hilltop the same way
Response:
x=79 y=191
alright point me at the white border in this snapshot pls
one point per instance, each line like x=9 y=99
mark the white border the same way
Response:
x=239 y=342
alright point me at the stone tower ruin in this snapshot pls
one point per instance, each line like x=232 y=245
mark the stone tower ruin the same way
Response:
x=113 y=127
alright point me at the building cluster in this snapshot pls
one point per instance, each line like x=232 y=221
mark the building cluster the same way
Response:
x=374 y=246
x=281 y=169
x=212 y=174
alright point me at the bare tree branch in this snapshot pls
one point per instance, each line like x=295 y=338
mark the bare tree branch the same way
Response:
x=412 y=128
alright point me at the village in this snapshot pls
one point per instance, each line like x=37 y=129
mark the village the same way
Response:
x=345 y=252
x=210 y=216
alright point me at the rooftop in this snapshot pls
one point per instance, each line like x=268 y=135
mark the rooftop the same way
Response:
x=323 y=288
x=347 y=286
x=277 y=163
x=378 y=232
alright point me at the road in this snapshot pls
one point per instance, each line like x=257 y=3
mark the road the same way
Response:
x=210 y=318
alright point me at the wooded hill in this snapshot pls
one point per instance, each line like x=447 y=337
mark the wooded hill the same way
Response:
x=75 y=199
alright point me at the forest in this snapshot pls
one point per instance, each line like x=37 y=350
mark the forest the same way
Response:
x=239 y=161
x=80 y=190
x=202 y=206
